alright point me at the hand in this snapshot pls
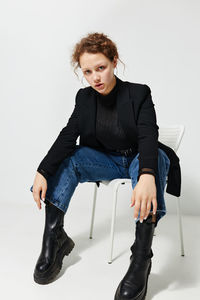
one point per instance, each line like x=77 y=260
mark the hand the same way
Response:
x=143 y=194
x=39 y=186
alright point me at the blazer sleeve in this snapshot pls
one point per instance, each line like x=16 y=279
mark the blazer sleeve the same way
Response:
x=147 y=131
x=63 y=146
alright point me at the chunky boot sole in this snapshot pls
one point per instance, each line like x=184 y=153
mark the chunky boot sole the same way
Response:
x=141 y=296
x=49 y=275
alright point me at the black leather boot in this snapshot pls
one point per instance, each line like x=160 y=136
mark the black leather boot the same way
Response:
x=134 y=284
x=55 y=245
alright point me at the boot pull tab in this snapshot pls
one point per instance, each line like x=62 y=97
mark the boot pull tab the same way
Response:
x=153 y=217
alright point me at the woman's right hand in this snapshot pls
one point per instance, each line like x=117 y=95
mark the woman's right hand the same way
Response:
x=39 y=186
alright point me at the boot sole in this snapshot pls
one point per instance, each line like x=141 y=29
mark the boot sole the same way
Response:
x=141 y=296
x=55 y=268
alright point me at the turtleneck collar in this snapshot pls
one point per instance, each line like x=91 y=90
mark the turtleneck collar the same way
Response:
x=110 y=98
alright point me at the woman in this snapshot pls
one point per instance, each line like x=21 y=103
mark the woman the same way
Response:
x=116 y=122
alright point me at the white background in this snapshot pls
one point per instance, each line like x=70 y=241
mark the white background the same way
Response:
x=157 y=40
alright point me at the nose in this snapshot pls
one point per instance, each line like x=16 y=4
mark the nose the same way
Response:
x=96 y=78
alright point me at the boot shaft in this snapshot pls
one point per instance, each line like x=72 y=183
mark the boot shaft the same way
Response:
x=54 y=217
x=144 y=237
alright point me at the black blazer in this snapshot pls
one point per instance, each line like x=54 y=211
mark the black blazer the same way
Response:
x=137 y=117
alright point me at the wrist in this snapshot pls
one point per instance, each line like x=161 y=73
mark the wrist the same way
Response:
x=43 y=173
x=146 y=172
x=146 y=175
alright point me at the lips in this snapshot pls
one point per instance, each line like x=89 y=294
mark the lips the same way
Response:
x=99 y=86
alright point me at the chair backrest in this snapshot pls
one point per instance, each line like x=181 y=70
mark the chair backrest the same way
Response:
x=171 y=135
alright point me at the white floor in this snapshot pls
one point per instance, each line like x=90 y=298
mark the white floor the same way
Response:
x=86 y=273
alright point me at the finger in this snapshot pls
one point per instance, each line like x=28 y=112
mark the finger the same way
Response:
x=143 y=210
x=154 y=205
x=43 y=194
x=132 y=201
x=38 y=202
x=37 y=198
x=136 y=209
x=148 y=209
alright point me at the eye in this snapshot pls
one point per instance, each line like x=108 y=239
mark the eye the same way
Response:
x=101 y=67
x=87 y=71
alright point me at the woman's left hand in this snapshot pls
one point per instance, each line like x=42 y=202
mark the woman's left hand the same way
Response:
x=143 y=194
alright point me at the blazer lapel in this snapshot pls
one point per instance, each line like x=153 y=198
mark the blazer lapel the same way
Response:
x=88 y=119
x=125 y=111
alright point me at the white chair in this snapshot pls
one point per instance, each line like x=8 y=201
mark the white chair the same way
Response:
x=170 y=136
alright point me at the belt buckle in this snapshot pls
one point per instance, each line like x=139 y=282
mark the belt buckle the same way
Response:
x=126 y=152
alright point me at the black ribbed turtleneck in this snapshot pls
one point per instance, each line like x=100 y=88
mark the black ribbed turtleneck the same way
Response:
x=108 y=129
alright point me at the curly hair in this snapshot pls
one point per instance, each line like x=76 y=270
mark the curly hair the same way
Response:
x=94 y=43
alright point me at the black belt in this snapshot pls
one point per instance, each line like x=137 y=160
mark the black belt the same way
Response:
x=126 y=152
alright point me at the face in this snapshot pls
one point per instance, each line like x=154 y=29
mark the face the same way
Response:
x=98 y=70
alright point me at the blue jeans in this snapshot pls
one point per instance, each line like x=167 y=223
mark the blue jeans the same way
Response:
x=90 y=165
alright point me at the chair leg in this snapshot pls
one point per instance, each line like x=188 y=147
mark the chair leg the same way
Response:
x=180 y=225
x=115 y=190
x=93 y=210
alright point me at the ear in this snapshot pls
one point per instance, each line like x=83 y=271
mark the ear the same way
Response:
x=115 y=61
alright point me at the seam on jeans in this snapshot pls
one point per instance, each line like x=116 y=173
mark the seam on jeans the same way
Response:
x=63 y=190
x=75 y=169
